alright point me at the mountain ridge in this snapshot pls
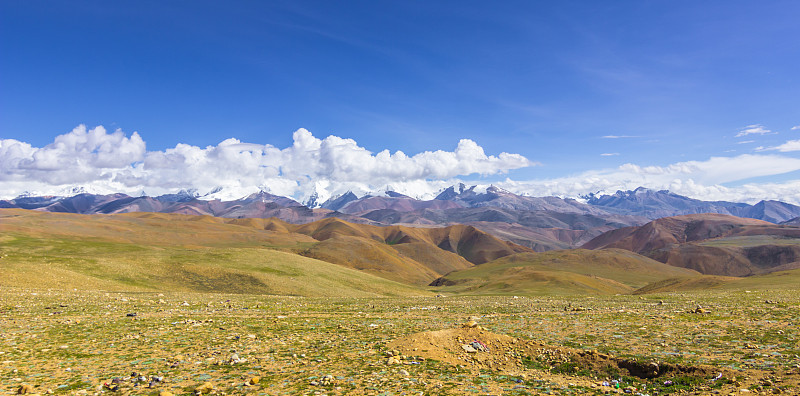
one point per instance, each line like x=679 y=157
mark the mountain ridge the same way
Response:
x=539 y=223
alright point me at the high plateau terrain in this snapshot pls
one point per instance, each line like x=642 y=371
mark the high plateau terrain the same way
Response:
x=137 y=302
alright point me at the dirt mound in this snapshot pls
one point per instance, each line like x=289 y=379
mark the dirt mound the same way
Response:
x=448 y=346
x=479 y=349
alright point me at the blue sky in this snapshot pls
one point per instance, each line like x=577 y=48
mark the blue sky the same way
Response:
x=579 y=89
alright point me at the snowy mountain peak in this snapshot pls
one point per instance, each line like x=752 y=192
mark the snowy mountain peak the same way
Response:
x=183 y=195
x=318 y=196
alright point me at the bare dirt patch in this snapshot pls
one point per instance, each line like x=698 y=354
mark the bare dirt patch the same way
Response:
x=476 y=348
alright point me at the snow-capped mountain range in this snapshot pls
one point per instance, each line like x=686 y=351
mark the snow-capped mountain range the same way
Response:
x=540 y=223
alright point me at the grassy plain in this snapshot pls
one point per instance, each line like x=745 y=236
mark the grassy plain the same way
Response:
x=74 y=342
x=149 y=303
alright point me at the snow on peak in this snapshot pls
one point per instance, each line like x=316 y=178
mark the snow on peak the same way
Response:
x=318 y=195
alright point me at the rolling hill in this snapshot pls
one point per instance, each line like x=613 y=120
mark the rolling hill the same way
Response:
x=409 y=255
x=168 y=253
x=576 y=271
x=712 y=244
x=144 y=251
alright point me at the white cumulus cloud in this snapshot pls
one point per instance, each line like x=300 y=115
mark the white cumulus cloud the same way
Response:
x=115 y=162
x=696 y=179
x=103 y=162
x=80 y=156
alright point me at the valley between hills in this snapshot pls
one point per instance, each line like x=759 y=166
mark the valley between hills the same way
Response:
x=398 y=296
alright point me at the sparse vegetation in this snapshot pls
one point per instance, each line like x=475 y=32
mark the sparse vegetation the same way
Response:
x=68 y=341
x=134 y=311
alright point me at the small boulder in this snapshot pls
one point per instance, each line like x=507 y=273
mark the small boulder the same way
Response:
x=700 y=310
x=204 y=389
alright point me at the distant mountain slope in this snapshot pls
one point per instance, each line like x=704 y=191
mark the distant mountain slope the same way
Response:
x=260 y=204
x=791 y=222
x=712 y=244
x=499 y=198
x=656 y=204
x=539 y=230
x=736 y=256
x=401 y=204
x=538 y=223
x=339 y=202
x=772 y=211
x=667 y=231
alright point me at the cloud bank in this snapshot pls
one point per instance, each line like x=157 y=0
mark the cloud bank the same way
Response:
x=103 y=162
x=697 y=179
x=112 y=162
x=789 y=146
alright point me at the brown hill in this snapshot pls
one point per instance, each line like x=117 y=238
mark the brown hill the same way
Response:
x=667 y=231
x=469 y=242
x=734 y=256
x=167 y=252
x=411 y=255
x=712 y=244
x=415 y=263
x=408 y=254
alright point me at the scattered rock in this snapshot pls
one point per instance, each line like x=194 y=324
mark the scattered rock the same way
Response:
x=253 y=380
x=701 y=310
x=327 y=380
x=205 y=388
x=469 y=348
x=24 y=389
